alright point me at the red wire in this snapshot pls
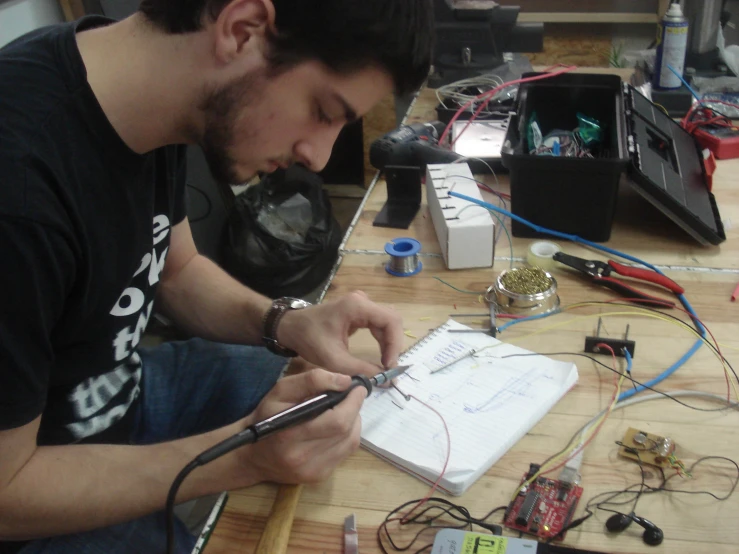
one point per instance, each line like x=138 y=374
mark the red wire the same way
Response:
x=483 y=186
x=710 y=116
x=404 y=519
x=555 y=66
x=708 y=100
x=488 y=95
x=492 y=93
x=597 y=429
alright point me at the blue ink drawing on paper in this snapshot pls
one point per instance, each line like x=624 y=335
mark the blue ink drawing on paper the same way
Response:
x=516 y=387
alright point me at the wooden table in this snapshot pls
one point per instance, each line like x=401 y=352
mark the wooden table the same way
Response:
x=370 y=488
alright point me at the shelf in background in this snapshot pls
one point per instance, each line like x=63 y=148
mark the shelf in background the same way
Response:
x=587 y=17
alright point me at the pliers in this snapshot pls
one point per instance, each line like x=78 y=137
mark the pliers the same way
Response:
x=600 y=273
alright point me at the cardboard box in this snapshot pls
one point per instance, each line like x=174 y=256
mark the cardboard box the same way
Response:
x=465 y=230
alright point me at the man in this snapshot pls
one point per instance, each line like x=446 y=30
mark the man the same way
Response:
x=94 y=238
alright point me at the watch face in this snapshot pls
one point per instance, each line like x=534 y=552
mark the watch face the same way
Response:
x=297 y=303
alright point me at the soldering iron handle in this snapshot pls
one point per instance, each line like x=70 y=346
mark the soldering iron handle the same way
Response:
x=287 y=418
x=307 y=410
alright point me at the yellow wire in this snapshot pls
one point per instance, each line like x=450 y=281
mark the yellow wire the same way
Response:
x=722 y=345
x=681 y=324
x=634 y=311
x=554 y=461
x=661 y=107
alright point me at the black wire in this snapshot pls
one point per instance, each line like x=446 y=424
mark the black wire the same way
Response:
x=446 y=508
x=629 y=377
x=609 y=368
x=641 y=471
x=208 y=210
x=678 y=320
x=643 y=488
x=169 y=509
x=690 y=470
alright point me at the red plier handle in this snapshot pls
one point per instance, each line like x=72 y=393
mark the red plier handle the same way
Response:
x=646 y=275
x=630 y=292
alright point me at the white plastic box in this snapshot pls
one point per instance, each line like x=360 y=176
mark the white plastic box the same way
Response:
x=465 y=230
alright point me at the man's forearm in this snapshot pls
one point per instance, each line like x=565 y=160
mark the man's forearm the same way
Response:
x=68 y=489
x=207 y=302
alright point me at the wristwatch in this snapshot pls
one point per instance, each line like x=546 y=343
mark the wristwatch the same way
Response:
x=279 y=308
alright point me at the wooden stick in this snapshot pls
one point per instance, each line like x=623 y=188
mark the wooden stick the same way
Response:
x=276 y=532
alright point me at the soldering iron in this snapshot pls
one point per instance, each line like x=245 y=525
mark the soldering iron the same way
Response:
x=300 y=413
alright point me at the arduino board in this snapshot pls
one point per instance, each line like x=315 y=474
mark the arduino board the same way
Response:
x=543 y=508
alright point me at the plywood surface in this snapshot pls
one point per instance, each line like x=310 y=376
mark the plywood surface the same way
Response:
x=370 y=488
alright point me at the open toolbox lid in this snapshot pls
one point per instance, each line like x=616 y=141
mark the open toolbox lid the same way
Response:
x=667 y=168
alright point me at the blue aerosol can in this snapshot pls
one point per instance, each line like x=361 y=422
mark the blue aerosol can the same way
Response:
x=672 y=44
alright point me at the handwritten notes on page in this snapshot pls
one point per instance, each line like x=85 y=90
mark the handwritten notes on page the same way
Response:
x=488 y=404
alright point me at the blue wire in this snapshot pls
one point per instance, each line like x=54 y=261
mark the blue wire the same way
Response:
x=507 y=234
x=629 y=361
x=574 y=238
x=691 y=90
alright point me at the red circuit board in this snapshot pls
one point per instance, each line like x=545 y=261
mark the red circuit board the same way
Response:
x=547 y=506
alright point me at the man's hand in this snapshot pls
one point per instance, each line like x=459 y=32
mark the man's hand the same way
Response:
x=320 y=334
x=309 y=452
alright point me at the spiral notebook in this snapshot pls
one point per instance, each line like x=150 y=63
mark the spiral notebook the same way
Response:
x=488 y=402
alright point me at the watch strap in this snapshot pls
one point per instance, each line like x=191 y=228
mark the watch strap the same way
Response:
x=272 y=318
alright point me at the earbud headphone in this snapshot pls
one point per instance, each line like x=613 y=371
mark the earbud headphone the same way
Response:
x=653 y=535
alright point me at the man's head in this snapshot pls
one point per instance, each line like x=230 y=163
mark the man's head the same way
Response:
x=284 y=76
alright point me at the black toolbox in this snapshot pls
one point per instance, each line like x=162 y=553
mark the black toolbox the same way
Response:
x=579 y=195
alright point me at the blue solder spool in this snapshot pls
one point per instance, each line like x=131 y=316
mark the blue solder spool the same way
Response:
x=403 y=254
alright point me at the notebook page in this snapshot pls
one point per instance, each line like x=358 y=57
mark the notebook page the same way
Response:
x=488 y=404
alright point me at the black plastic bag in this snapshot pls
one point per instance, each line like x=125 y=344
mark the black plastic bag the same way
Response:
x=271 y=256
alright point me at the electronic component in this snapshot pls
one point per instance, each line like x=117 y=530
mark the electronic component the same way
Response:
x=713 y=130
x=650 y=449
x=533 y=470
x=456 y=541
x=722 y=141
x=545 y=510
x=569 y=477
x=527 y=508
x=618 y=345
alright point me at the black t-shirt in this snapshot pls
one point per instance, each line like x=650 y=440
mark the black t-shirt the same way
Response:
x=85 y=226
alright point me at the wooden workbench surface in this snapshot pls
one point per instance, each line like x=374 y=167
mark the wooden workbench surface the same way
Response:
x=370 y=488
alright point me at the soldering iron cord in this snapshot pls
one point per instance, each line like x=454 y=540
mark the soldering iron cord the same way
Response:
x=574 y=238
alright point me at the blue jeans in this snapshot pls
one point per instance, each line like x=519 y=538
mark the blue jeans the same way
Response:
x=186 y=388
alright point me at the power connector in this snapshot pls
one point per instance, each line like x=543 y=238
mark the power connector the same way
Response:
x=619 y=345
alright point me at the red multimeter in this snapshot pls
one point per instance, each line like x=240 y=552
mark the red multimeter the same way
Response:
x=722 y=141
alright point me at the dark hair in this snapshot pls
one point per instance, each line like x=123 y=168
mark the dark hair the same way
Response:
x=345 y=35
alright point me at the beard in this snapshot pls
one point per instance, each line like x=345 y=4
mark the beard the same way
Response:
x=223 y=108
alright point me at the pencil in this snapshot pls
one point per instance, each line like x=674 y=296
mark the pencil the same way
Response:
x=735 y=294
